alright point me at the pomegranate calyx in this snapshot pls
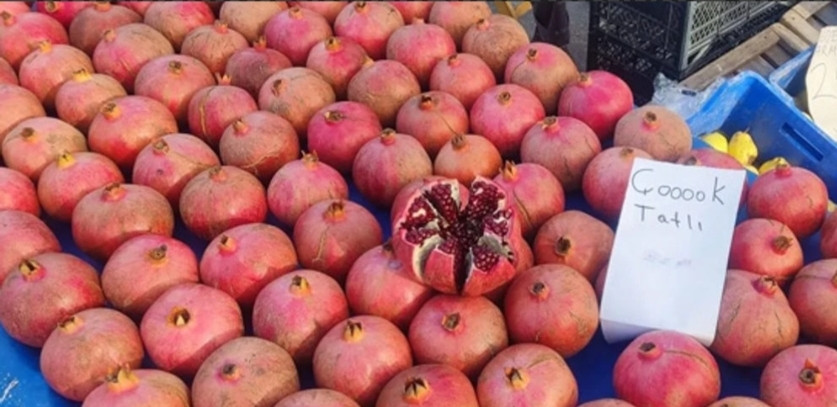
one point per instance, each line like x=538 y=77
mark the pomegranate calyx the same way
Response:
x=8 y=18
x=51 y=6
x=563 y=246
x=70 y=325
x=504 y=98
x=123 y=379
x=353 y=332
x=30 y=270
x=517 y=378
x=550 y=123
x=810 y=376
x=101 y=5
x=781 y=244
x=783 y=169
x=333 y=116
x=482 y=24
x=766 y=285
x=226 y=244
x=295 y=12
x=451 y=321
x=335 y=211
x=28 y=134
x=179 y=317
x=427 y=102
x=584 y=79
x=387 y=137
x=416 y=389
x=532 y=54
x=217 y=174
x=333 y=44
x=454 y=60
x=361 y=6
x=113 y=192
x=691 y=160
x=223 y=79
x=539 y=290
x=65 y=160
x=44 y=46
x=626 y=152
x=260 y=44
x=310 y=159
x=277 y=87
x=111 y=111
x=649 y=350
x=509 y=171
x=230 y=372
x=650 y=121
x=459 y=141
x=157 y=255
x=367 y=61
x=175 y=67
x=300 y=286
x=240 y=127
x=109 y=35
x=81 y=75
x=160 y=147
x=220 y=27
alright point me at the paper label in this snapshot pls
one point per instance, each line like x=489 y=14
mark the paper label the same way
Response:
x=669 y=258
x=821 y=82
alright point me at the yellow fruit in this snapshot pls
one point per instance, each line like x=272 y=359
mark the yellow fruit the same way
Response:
x=751 y=169
x=716 y=140
x=743 y=148
x=771 y=164
x=831 y=206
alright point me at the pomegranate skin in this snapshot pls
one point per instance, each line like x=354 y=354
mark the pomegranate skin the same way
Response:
x=336 y=133
x=327 y=9
x=21 y=33
x=660 y=132
x=295 y=31
x=214 y=108
x=317 y=397
x=213 y=45
x=172 y=80
x=456 y=17
x=606 y=179
x=90 y=24
x=503 y=114
x=68 y=179
x=794 y=196
x=803 y=375
x=537 y=194
x=812 y=296
x=384 y=165
x=710 y=157
x=139 y=7
x=598 y=99
x=608 y=403
x=48 y=66
x=176 y=19
x=8 y=76
x=43 y=290
x=23 y=235
x=15 y=7
x=17 y=104
x=62 y=11
x=666 y=368
x=766 y=247
x=544 y=69
x=495 y=39
x=564 y=145
x=17 y=192
x=575 y=239
x=123 y=51
x=79 y=99
x=296 y=94
x=429 y=385
x=419 y=47
x=828 y=237
x=250 y=17
x=738 y=401
x=467 y=156
x=35 y=142
x=370 y=24
x=412 y=10
x=432 y=118
x=260 y=143
x=384 y=86
x=126 y=388
x=465 y=76
x=250 y=67
x=337 y=59
x=302 y=183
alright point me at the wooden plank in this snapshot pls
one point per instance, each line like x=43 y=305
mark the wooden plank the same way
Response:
x=510 y=9
x=732 y=60
x=828 y=15
x=777 y=55
x=790 y=40
x=806 y=9
x=800 y=26
x=758 y=65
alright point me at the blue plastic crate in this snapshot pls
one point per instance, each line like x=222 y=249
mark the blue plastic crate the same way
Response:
x=790 y=77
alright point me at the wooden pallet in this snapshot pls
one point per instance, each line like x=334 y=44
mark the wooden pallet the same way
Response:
x=513 y=10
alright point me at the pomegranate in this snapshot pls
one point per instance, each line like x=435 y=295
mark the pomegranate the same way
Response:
x=660 y=132
x=143 y=268
x=811 y=295
x=803 y=197
x=17 y=192
x=384 y=165
x=102 y=338
x=299 y=184
x=537 y=194
x=35 y=142
x=79 y=99
x=753 y=303
x=607 y=403
x=428 y=385
x=710 y=157
x=378 y=284
x=575 y=239
x=465 y=76
x=17 y=104
x=495 y=39
x=220 y=198
x=370 y=24
x=358 y=356
x=606 y=179
x=527 y=374
x=326 y=236
x=544 y=69
x=8 y=76
x=336 y=133
x=384 y=86
x=433 y=118
x=170 y=162
x=42 y=291
x=140 y=7
x=123 y=51
x=248 y=371
x=91 y=23
x=295 y=31
x=176 y=19
x=62 y=11
x=16 y=7
x=213 y=108
x=173 y=80
x=327 y=9
x=456 y=17
x=766 y=247
x=48 y=66
x=564 y=146
x=23 y=235
x=260 y=143
x=250 y=67
x=597 y=98
x=412 y=10
x=213 y=45
x=297 y=309
x=186 y=324
x=803 y=375
x=296 y=94
x=666 y=368
x=250 y=17
x=317 y=397
x=21 y=33
x=738 y=401
x=420 y=47
x=503 y=114
x=72 y=176
x=828 y=238
x=337 y=59
x=126 y=387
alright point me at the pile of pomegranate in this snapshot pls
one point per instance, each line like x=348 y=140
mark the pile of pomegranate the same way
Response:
x=362 y=204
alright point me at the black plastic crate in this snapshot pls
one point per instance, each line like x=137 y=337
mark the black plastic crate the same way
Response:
x=638 y=40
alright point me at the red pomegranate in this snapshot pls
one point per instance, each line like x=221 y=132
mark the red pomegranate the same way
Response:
x=544 y=69
x=91 y=23
x=260 y=143
x=317 y=397
x=537 y=194
x=176 y=19
x=370 y=24
x=495 y=39
x=327 y=9
x=615 y=403
x=16 y=7
x=813 y=291
x=23 y=235
x=710 y=157
x=399 y=204
x=123 y=51
x=17 y=192
x=803 y=196
x=430 y=385
x=21 y=33
x=48 y=66
x=296 y=94
x=35 y=142
x=575 y=239
x=606 y=179
x=65 y=181
x=828 y=237
x=62 y=11
x=803 y=375
x=249 y=18
x=597 y=98
x=657 y=130
x=336 y=133
x=384 y=86
x=412 y=10
x=126 y=387
x=250 y=67
x=337 y=59
x=17 y=104
x=766 y=247
x=172 y=80
x=214 y=108
x=295 y=31
x=503 y=114
x=80 y=98
x=213 y=45
x=420 y=47
x=138 y=6
x=465 y=76
x=433 y=118
x=8 y=76
x=301 y=183
x=564 y=146
x=738 y=401
x=456 y=17
x=384 y=165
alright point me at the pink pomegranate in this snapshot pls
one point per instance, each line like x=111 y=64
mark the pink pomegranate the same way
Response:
x=803 y=375
x=609 y=403
x=710 y=157
x=260 y=143
x=327 y=9
x=766 y=247
x=91 y=23
x=23 y=235
x=456 y=17
x=16 y=7
x=503 y=114
x=138 y=6
x=420 y=47
x=751 y=303
x=317 y=397
x=126 y=387
x=123 y=51
x=62 y=11
x=250 y=17
x=213 y=45
x=248 y=371
x=379 y=284
x=80 y=98
x=21 y=33
x=337 y=59
x=65 y=181
x=17 y=104
x=295 y=31
x=143 y=268
x=36 y=142
x=328 y=236
x=301 y=183
x=296 y=94
x=108 y=216
x=186 y=324
x=250 y=67
x=170 y=162
x=544 y=69
x=465 y=76
x=370 y=24
x=220 y=198
x=537 y=194
x=495 y=39
x=433 y=118
x=102 y=338
x=172 y=80
x=828 y=238
x=575 y=239
x=43 y=290
x=297 y=309
x=660 y=132
x=606 y=179
x=359 y=356
x=738 y=401
x=17 y=192
x=8 y=76
x=428 y=385
x=564 y=146
x=48 y=66
x=214 y=108
x=666 y=368
x=813 y=291
x=176 y=19
x=384 y=86
x=412 y=10
x=597 y=98
x=527 y=374
x=802 y=194
x=384 y=165
x=336 y=133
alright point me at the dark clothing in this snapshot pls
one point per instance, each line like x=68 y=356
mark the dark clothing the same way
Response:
x=552 y=22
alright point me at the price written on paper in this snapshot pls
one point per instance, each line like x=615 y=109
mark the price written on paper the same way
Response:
x=821 y=81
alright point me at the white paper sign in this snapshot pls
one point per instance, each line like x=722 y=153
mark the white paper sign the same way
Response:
x=669 y=257
x=821 y=82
